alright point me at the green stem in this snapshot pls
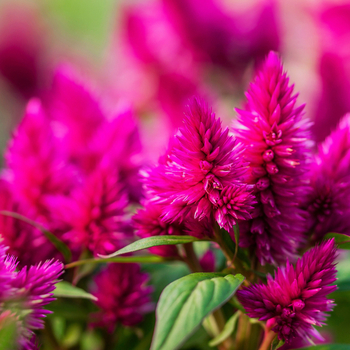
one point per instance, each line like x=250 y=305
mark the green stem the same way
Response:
x=191 y=258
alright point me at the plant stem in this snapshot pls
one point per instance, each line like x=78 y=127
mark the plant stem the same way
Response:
x=268 y=338
x=191 y=258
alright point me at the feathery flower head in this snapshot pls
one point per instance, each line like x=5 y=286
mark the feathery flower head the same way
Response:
x=95 y=213
x=235 y=202
x=26 y=292
x=203 y=160
x=296 y=299
x=123 y=296
x=276 y=140
x=37 y=168
x=328 y=201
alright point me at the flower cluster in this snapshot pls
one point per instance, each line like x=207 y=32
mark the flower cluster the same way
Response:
x=24 y=294
x=295 y=300
x=77 y=185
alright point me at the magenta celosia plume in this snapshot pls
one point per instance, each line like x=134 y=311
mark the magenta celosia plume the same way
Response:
x=296 y=299
x=37 y=171
x=123 y=296
x=328 y=201
x=25 y=293
x=94 y=214
x=202 y=172
x=276 y=146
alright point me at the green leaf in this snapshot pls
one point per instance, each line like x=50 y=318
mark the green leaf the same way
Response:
x=127 y=259
x=60 y=246
x=152 y=242
x=342 y=240
x=66 y=290
x=227 y=331
x=185 y=303
x=328 y=347
x=276 y=344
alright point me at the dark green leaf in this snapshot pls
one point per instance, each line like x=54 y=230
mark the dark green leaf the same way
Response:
x=127 y=259
x=342 y=240
x=66 y=290
x=60 y=246
x=186 y=302
x=227 y=331
x=152 y=242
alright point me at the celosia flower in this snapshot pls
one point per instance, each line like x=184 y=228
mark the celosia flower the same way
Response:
x=296 y=299
x=223 y=38
x=76 y=111
x=328 y=202
x=276 y=140
x=202 y=162
x=233 y=203
x=148 y=223
x=37 y=168
x=332 y=102
x=25 y=293
x=123 y=296
x=95 y=213
x=88 y=135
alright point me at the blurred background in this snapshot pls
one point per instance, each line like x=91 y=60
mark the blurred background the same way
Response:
x=154 y=55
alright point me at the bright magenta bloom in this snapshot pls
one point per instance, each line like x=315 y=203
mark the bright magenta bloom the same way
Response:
x=203 y=161
x=328 y=202
x=276 y=140
x=123 y=296
x=296 y=299
x=37 y=172
x=26 y=292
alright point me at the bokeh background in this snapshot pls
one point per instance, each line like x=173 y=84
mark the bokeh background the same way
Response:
x=154 y=55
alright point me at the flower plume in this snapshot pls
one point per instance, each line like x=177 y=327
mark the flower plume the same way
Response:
x=296 y=299
x=276 y=139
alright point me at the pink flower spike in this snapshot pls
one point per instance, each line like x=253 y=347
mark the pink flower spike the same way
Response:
x=277 y=148
x=296 y=299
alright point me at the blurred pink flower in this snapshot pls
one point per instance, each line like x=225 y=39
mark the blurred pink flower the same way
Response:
x=122 y=295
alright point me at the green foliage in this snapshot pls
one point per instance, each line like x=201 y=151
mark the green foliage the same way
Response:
x=343 y=241
x=152 y=242
x=66 y=290
x=186 y=302
x=227 y=331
